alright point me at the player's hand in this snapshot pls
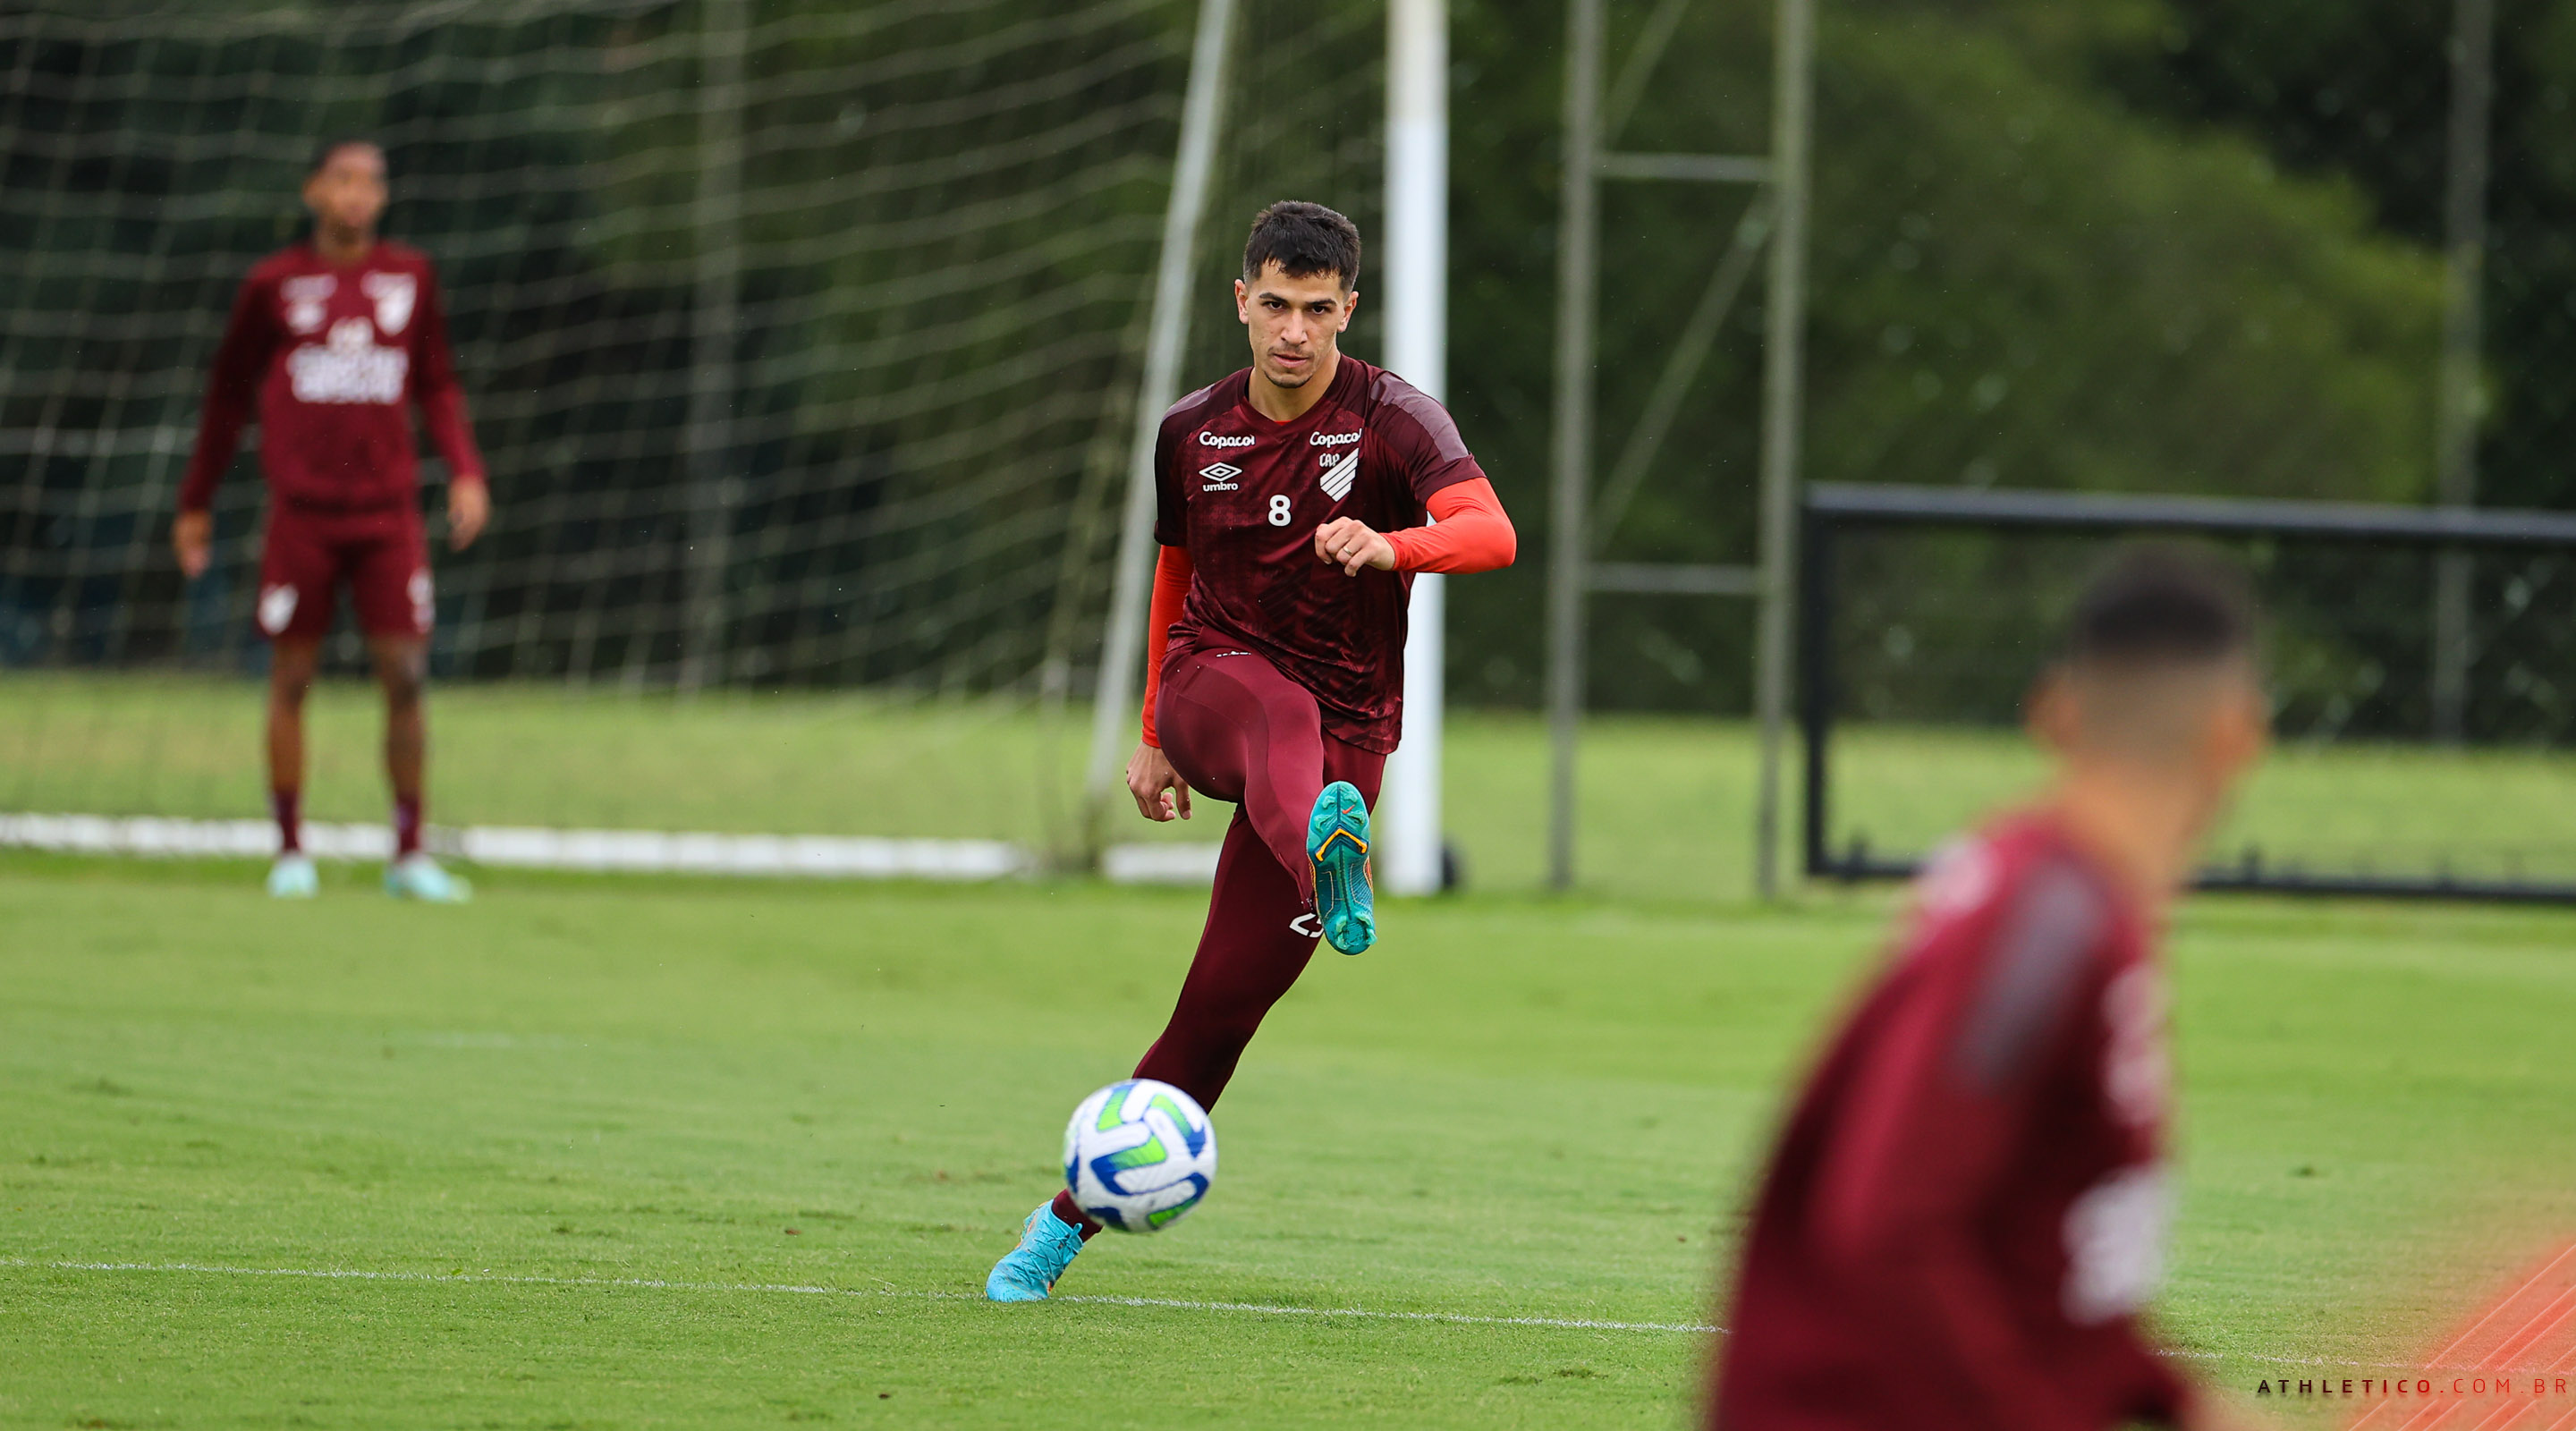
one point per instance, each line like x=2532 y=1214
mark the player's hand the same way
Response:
x=469 y=506
x=192 y=537
x=1149 y=774
x=1350 y=544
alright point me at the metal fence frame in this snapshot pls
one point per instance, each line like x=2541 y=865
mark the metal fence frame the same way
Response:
x=1830 y=508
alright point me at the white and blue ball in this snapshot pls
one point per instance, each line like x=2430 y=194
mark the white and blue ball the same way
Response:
x=1139 y=1154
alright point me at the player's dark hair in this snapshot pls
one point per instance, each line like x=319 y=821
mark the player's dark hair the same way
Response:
x=322 y=152
x=2159 y=603
x=1304 y=240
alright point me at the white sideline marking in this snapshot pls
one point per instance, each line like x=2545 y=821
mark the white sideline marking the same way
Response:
x=1259 y=1309
x=1159 y=864
x=620 y=851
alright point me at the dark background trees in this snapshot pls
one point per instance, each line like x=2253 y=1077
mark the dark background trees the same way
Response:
x=2147 y=245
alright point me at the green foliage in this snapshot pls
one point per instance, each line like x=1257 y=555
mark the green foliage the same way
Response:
x=2019 y=278
x=2020 y=283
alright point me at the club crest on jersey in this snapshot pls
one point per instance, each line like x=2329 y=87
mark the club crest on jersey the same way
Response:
x=1340 y=473
x=1220 y=477
x=393 y=293
x=305 y=297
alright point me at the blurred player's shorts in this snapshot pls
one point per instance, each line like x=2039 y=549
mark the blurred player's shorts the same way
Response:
x=381 y=555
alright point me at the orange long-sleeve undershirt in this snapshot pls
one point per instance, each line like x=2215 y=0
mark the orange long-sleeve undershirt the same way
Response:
x=1472 y=534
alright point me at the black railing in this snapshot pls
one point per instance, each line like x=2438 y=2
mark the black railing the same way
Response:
x=1831 y=508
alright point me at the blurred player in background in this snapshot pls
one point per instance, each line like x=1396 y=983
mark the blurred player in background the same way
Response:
x=1293 y=498
x=1968 y=1206
x=332 y=340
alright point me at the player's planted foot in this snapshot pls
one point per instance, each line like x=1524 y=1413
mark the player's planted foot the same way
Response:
x=1027 y=1272
x=417 y=876
x=1337 y=840
x=293 y=877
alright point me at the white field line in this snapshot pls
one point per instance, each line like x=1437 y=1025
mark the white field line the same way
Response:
x=614 y=851
x=1257 y=1309
x=336 y=1274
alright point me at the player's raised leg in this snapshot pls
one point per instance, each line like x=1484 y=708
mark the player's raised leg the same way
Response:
x=1238 y=729
x=292 y=660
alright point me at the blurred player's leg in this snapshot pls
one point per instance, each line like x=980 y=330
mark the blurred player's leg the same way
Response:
x=401 y=669
x=389 y=579
x=292 y=661
x=299 y=572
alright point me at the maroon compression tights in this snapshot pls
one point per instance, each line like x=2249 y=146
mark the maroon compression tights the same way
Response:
x=1239 y=731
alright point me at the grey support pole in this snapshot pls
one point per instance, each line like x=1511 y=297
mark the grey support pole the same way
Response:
x=715 y=489
x=1114 y=702
x=1569 y=543
x=2464 y=228
x=1783 y=403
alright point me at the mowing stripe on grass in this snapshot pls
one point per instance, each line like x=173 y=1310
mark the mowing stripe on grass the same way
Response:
x=1258 y=1309
x=332 y=1274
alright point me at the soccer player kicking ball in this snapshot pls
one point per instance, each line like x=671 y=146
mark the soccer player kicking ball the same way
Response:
x=1291 y=518
x=333 y=339
x=1968 y=1206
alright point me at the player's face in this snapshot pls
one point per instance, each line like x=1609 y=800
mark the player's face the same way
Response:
x=1295 y=323
x=348 y=191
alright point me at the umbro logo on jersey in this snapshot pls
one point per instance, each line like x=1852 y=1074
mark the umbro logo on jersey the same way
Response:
x=1340 y=473
x=1220 y=477
x=1335 y=439
x=1210 y=439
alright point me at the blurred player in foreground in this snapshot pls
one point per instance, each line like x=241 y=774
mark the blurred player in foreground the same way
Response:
x=332 y=339
x=1293 y=498
x=1969 y=1203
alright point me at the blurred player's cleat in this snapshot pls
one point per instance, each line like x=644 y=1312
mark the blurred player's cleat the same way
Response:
x=1337 y=840
x=417 y=876
x=1027 y=1272
x=293 y=877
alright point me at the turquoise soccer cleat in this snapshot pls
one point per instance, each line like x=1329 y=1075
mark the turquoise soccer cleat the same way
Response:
x=293 y=877
x=1337 y=840
x=1027 y=1272
x=419 y=877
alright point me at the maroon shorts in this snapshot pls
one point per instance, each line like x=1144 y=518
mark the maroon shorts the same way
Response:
x=381 y=556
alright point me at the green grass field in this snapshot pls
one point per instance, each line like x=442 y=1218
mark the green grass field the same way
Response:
x=1665 y=809
x=573 y=1125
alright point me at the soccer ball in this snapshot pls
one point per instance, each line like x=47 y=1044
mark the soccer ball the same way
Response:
x=1139 y=1154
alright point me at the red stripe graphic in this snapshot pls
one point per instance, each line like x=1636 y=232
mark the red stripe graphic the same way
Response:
x=2502 y=1370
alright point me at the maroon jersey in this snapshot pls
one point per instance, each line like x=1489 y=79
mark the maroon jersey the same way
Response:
x=334 y=357
x=1245 y=494
x=1968 y=1205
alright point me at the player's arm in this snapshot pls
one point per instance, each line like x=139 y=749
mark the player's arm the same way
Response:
x=1943 y=1100
x=442 y=407
x=1472 y=534
x=1149 y=771
x=232 y=386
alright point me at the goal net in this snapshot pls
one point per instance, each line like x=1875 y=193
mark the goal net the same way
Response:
x=802 y=340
